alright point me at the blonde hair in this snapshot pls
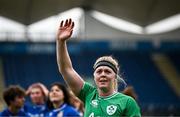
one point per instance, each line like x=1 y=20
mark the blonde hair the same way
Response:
x=108 y=59
x=114 y=62
x=38 y=85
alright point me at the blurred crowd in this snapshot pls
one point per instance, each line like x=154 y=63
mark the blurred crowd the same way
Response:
x=57 y=101
x=38 y=101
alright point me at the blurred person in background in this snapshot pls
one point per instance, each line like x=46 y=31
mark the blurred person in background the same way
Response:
x=59 y=102
x=129 y=90
x=104 y=99
x=78 y=104
x=14 y=96
x=38 y=94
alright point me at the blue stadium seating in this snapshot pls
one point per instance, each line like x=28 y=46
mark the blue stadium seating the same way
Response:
x=137 y=68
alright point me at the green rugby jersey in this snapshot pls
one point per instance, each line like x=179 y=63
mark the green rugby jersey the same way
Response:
x=115 y=105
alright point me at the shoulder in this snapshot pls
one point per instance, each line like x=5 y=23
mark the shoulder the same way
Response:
x=36 y=110
x=70 y=111
x=86 y=91
x=122 y=96
x=70 y=108
x=128 y=104
x=21 y=113
x=126 y=97
x=88 y=86
x=5 y=112
x=123 y=99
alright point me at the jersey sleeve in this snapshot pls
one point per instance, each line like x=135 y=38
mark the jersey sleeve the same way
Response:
x=132 y=109
x=86 y=89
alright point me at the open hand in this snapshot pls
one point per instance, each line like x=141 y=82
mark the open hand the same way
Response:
x=65 y=30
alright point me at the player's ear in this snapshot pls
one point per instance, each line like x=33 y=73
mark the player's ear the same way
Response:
x=115 y=84
x=94 y=74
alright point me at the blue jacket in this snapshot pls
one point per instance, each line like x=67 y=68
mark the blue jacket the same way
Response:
x=64 y=111
x=7 y=113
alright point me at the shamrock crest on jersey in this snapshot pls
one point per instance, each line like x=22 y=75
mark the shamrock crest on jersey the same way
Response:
x=111 y=109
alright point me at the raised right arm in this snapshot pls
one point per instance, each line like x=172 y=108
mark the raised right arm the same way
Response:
x=71 y=77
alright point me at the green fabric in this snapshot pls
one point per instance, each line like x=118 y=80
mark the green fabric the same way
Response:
x=115 y=105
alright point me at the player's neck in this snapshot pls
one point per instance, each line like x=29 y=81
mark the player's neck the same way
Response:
x=105 y=93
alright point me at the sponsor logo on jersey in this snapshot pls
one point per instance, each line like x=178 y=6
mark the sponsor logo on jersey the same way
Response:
x=91 y=115
x=94 y=103
x=111 y=109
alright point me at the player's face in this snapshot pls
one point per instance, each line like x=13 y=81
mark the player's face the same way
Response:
x=56 y=94
x=18 y=102
x=104 y=78
x=37 y=96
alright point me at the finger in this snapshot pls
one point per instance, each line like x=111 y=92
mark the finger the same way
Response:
x=70 y=21
x=61 y=25
x=66 y=23
x=72 y=25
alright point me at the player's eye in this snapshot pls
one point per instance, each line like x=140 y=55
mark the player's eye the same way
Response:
x=107 y=71
x=98 y=71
